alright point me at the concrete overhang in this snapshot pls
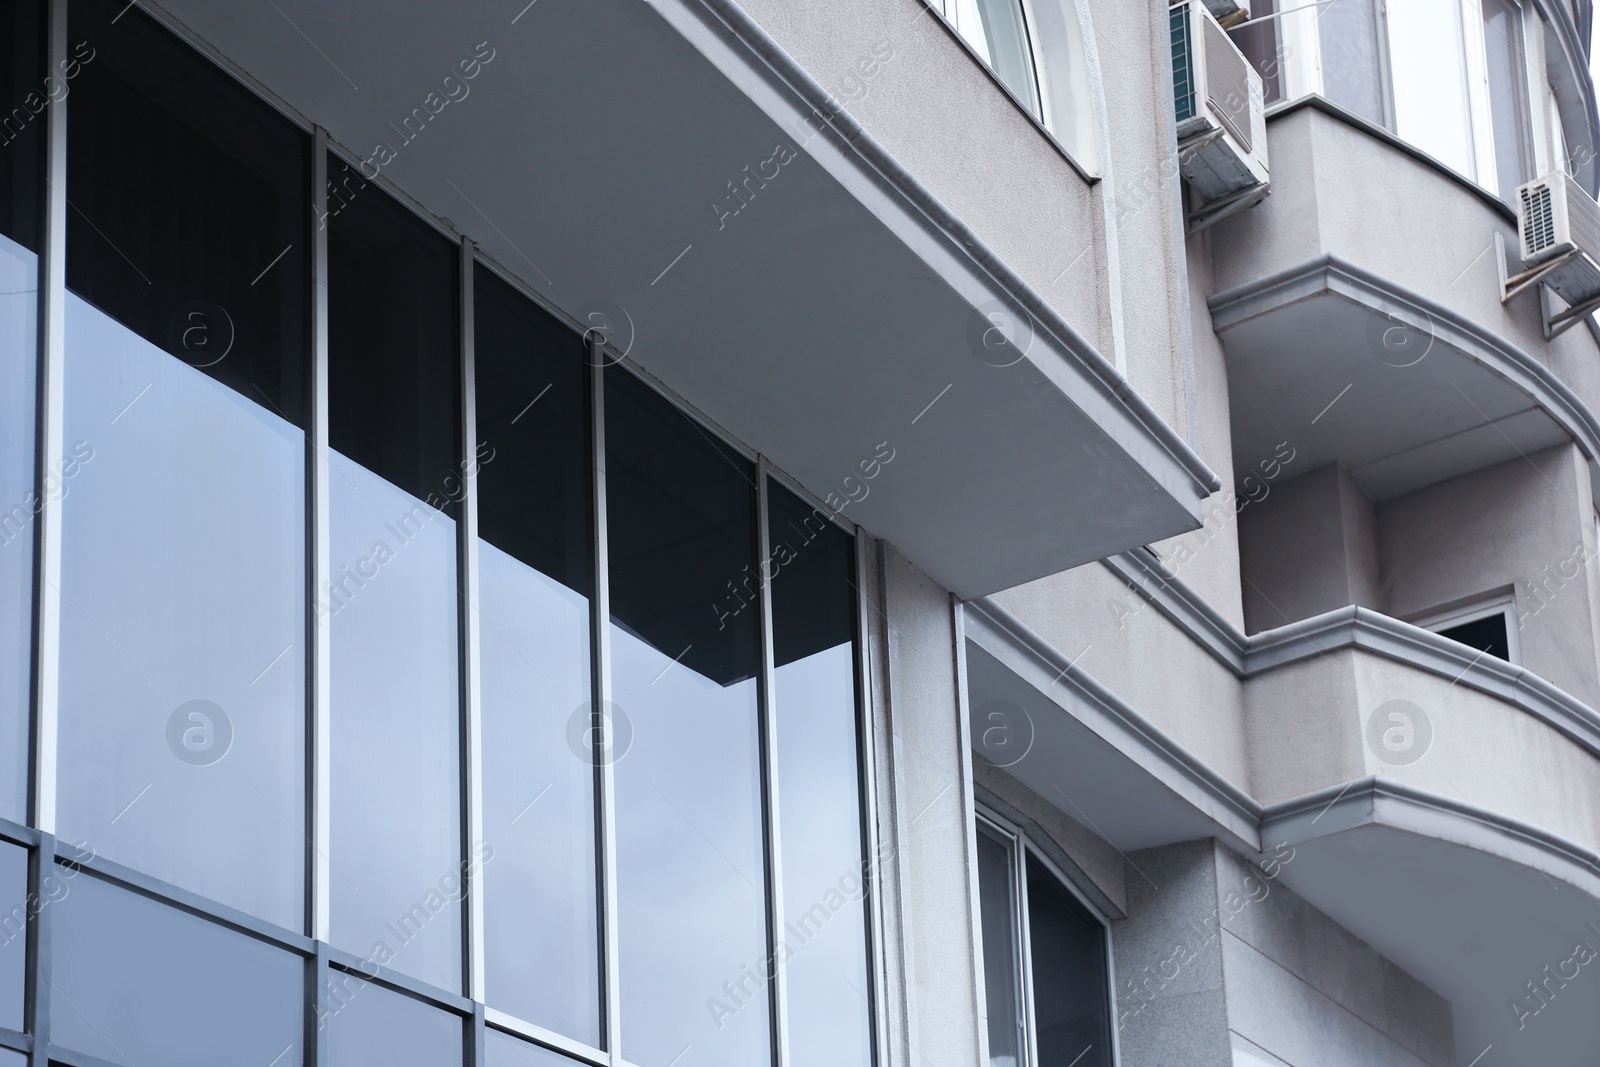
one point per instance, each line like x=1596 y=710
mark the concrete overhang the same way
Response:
x=1473 y=905
x=1351 y=368
x=667 y=166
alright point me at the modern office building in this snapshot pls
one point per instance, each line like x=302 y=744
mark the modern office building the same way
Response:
x=749 y=533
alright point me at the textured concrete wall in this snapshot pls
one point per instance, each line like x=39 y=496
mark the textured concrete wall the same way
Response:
x=925 y=821
x=1310 y=545
x=1527 y=523
x=1302 y=988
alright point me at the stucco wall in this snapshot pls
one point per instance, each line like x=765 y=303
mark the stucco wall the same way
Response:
x=1526 y=523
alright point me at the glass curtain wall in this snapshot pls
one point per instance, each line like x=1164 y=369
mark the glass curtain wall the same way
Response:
x=395 y=490
x=182 y=688
x=22 y=138
x=186 y=604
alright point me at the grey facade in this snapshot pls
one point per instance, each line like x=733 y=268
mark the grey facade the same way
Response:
x=741 y=534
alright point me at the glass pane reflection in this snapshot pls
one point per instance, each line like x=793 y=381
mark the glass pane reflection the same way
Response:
x=506 y=1051
x=394 y=487
x=535 y=560
x=813 y=622
x=120 y=961
x=1071 y=1005
x=14 y=913
x=368 y=1024
x=681 y=511
x=22 y=83
x=996 y=893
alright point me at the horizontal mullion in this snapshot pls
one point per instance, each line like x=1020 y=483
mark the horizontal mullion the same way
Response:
x=391 y=979
x=184 y=900
x=521 y=1028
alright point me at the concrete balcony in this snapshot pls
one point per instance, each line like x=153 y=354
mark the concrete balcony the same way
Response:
x=1440 y=805
x=1359 y=311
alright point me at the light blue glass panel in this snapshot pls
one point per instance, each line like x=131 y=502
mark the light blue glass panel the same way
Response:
x=13 y=932
x=690 y=867
x=506 y=1051
x=182 y=722
x=12 y=1059
x=538 y=777
x=369 y=1025
x=823 y=871
x=396 y=858
x=19 y=506
x=136 y=982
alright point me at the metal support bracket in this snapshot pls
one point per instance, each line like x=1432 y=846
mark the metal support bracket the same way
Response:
x=1554 y=323
x=1215 y=211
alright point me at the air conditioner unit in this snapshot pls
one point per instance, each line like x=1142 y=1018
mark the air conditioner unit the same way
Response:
x=1222 y=125
x=1557 y=218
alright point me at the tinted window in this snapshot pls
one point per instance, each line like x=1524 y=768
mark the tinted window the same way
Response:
x=190 y=218
x=22 y=123
x=507 y=1051
x=14 y=914
x=535 y=559
x=1071 y=1005
x=182 y=688
x=812 y=571
x=395 y=485
x=996 y=895
x=369 y=1024
x=1487 y=635
x=138 y=982
x=681 y=512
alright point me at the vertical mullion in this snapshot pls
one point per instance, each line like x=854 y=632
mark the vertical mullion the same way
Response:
x=471 y=689
x=1024 y=955
x=768 y=712
x=318 y=681
x=321 y=551
x=866 y=741
x=49 y=439
x=606 y=788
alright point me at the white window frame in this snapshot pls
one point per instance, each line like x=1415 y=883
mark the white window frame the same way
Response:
x=1502 y=603
x=950 y=10
x=1020 y=848
x=1301 y=74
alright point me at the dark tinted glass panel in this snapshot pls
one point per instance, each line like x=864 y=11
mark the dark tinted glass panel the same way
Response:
x=681 y=511
x=137 y=982
x=368 y=1024
x=996 y=896
x=1487 y=635
x=1352 y=74
x=1259 y=43
x=812 y=570
x=25 y=94
x=395 y=485
x=190 y=218
x=393 y=376
x=507 y=1051
x=24 y=104
x=535 y=559
x=1071 y=1005
x=182 y=709
x=14 y=912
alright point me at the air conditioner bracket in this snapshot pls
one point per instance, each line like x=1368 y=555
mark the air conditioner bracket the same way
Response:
x=1555 y=323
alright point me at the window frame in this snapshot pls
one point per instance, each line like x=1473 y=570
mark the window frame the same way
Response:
x=950 y=11
x=1020 y=848
x=307 y=935
x=1302 y=76
x=1503 y=603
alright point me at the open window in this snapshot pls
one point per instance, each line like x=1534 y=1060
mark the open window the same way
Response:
x=1046 y=959
x=1486 y=626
